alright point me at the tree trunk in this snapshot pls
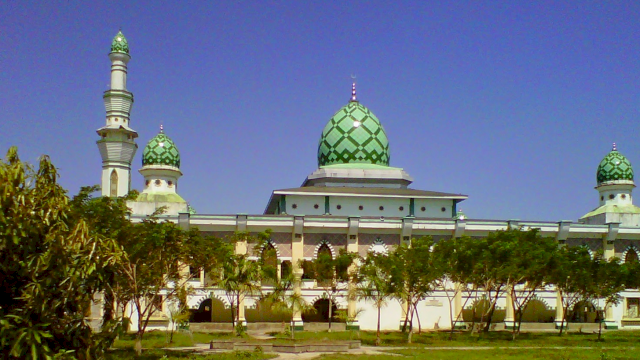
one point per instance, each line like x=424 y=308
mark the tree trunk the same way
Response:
x=238 y=323
x=138 y=343
x=564 y=317
x=330 y=312
x=415 y=309
x=489 y=318
x=378 y=340
x=600 y=330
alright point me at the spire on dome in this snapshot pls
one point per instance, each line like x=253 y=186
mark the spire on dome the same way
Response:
x=161 y=129
x=353 y=93
x=614 y=147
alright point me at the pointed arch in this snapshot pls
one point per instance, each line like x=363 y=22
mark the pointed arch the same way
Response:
x=113 y=183
x=630 y=254
x=324 y=246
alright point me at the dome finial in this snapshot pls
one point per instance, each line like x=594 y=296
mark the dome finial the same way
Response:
x=161 y=129
x=615 y=148
x=353 y=90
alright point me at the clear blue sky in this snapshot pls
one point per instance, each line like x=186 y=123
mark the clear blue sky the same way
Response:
x=513 y=103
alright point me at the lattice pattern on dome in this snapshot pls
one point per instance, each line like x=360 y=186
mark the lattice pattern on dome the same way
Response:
x=161 y=151
x=353 y=135
x=614 y=166
x=120 y=44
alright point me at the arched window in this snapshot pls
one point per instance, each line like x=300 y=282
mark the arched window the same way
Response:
x=632 y=256
x=269 y=258
x=324 y=250
x=113 y=188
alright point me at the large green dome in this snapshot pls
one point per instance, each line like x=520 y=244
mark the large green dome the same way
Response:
x=354 y=135
x=161 y=151
x=614 y=166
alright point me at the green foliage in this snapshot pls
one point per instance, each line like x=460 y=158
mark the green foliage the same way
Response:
x=52 y=265
x=375 y=283
x=413 y=283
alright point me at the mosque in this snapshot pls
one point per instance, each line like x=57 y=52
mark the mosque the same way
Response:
x=355 y=201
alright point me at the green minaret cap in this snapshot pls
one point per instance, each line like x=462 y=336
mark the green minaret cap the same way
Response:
x=614 y=167
x=161 y=151
x=353 y=135
x=460 y=215
x=120 y=44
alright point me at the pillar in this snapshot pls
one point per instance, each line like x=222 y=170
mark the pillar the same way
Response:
x=241 y=249
x=352 y=246
x=509 y=320
x=559 y=311
x=457 y=307
x=297 y=247
x=609 y=253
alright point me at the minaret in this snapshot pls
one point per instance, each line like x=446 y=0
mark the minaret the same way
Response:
x=615 y=185
x=117 y=144
x=161 y=171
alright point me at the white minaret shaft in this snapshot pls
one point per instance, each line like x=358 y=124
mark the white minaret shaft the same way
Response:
x=117 y=144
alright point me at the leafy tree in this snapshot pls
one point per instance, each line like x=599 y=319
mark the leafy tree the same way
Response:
x=374 y=279
x=414 y=275
x=607 y=281
x=152 y=272
x=571 y=276
x=178 y=312
x=241 y=276
x=52 y=266
x=331 y=274
x=528 y=269
x=285 y=299
x=455 y=259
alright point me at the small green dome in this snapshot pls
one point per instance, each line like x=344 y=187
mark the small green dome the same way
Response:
x=614 y=166
x=161 y=151
x=353 y=135
x=120 y=43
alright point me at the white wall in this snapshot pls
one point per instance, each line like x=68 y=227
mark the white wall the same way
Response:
x=350 y=206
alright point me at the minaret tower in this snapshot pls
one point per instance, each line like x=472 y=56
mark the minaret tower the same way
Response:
x=615 y=184
x=117 y=140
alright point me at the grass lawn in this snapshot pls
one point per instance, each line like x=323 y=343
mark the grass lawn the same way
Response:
x=494 y=338
x=502 y=354
x=616 y=345
x=159 y=339
x=157 y=354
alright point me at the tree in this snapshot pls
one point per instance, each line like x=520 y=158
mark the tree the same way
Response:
x=52 y=266
x=331 y=274
x=455 y=259
x=528 y=270
x=374 y=279
x=414 y=276
x=285 y=299
x=153 y=270
x=607 y=281
x=241 y=276
x=571 y=276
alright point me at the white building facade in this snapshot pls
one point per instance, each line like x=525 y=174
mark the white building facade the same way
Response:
x=356 y=201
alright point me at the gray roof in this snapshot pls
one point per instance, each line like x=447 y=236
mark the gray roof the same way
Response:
x=360 y=191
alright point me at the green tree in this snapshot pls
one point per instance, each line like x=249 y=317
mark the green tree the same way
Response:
x=153 y=272
x=572 y=277
x=52 y=266
x=285 y=299
x=241 y=276
x=414 y=282
x=606 y=283
x=456 y=261
x=374 y=283
x=528 y=270
x=331 y=274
